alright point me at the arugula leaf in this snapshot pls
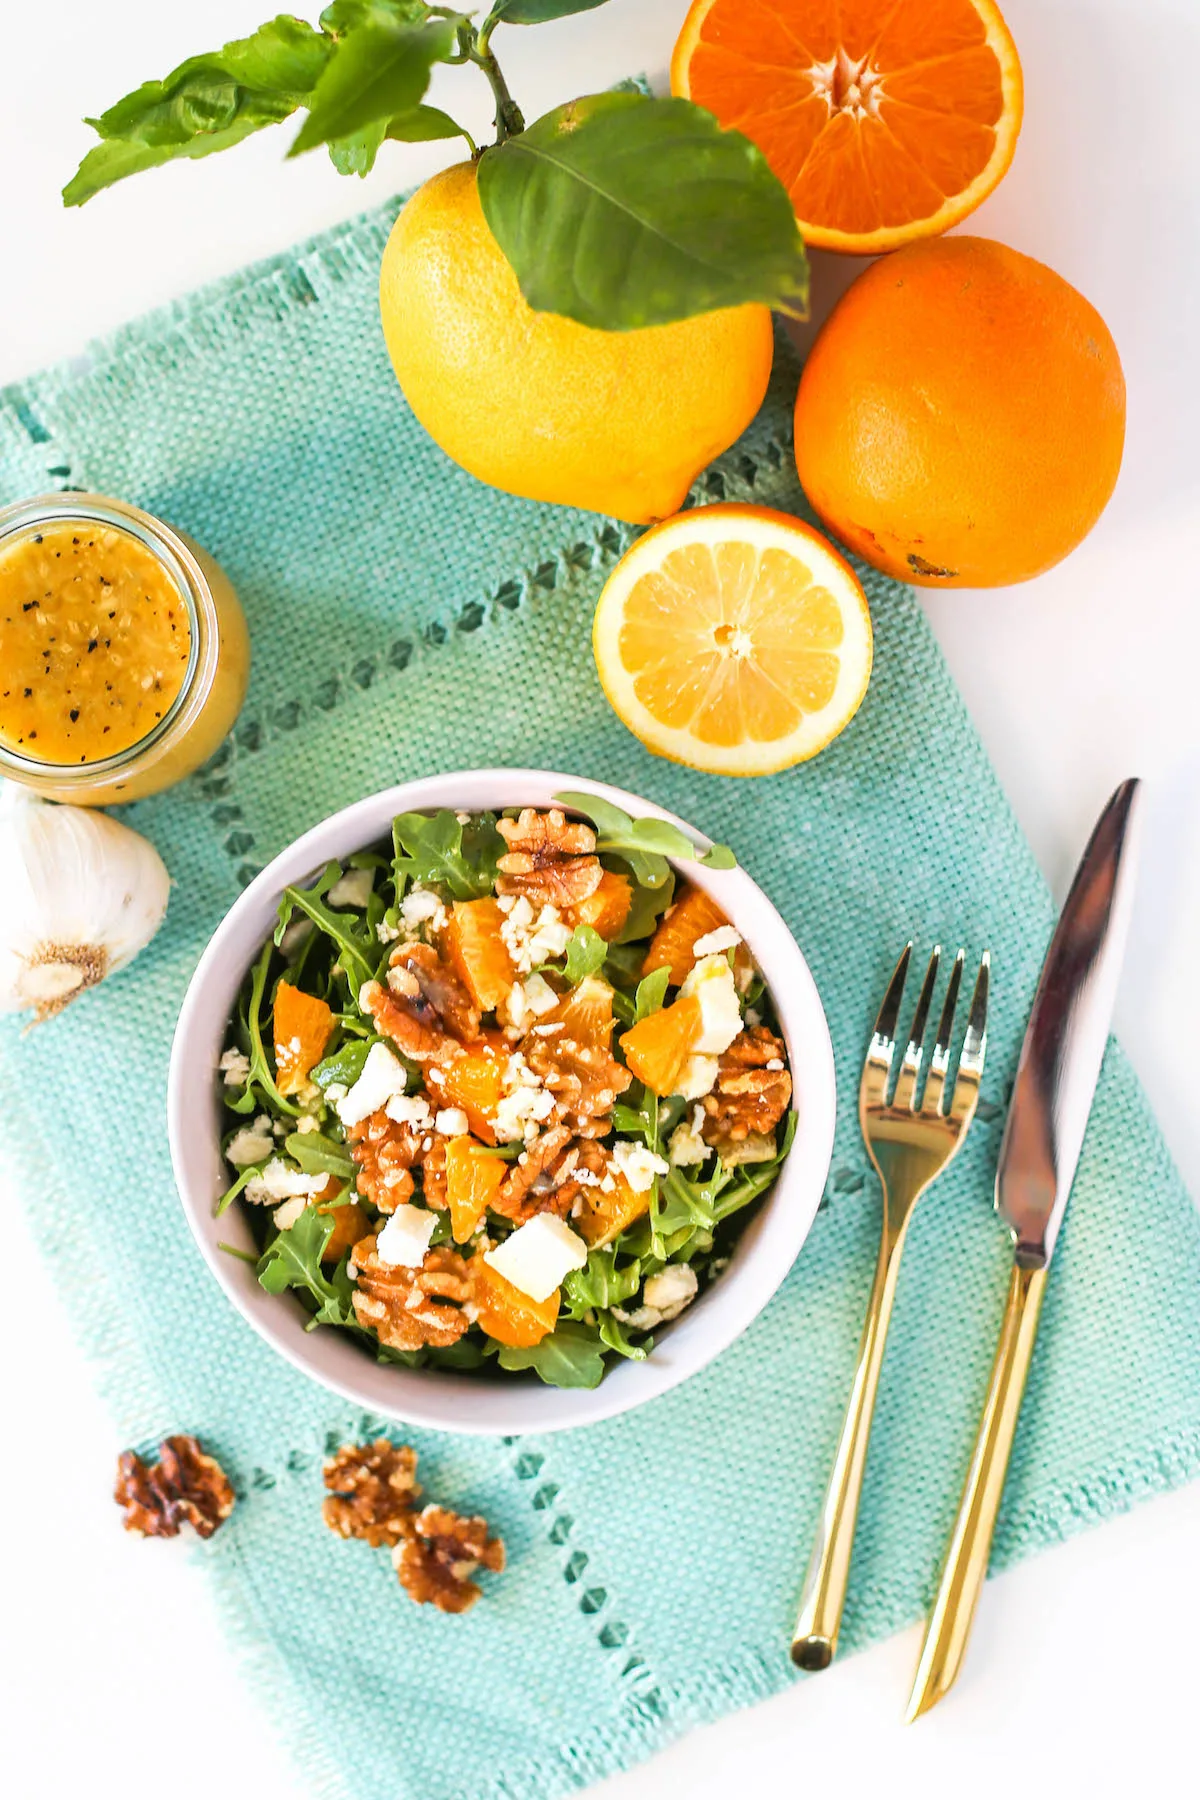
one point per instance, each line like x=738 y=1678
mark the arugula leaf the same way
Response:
x=260 y=1076
x=614 y=1334
x=380 y=68
x=644 y=843
x=600 y=1284
x=231 y=1193
x=620 y=211
x=651 y=992
x=638 y=1119
x=293 y=1260
x=357 y=957
x=586 y=953
x=538 y=12
x=646 y=908
x=208 y=103
x=437 y=851
x=319 y=1155
x=570 y=1357
x=344 y=1066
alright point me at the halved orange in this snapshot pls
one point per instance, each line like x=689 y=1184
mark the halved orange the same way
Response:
x=733 y=639
x=886 y=120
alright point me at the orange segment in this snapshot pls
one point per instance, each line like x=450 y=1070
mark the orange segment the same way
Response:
x=472 y=1178
x=473 y=945
x=604 y=1216
x=885 y=122
x=608 y=908
x=474 y=1080
x=303 y=1026
x=733 y=639
x=586 y=1014
x=507 y=1314
x=673 y=945
x=659 y=1045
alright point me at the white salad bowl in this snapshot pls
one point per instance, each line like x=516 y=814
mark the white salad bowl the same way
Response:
x=492 y=1403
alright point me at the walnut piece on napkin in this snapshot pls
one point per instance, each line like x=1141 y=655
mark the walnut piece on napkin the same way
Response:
x=436 y=1562
x=183 y=1487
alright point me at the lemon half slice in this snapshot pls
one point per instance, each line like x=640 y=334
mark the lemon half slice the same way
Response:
x=733 y=639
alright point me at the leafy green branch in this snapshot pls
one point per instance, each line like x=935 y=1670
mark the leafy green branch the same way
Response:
x=617 y=210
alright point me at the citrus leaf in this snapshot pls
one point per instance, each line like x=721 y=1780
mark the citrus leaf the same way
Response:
x=379 y=69
x=208 y=103
x=422 y=124
x=621 y=211
x=538 y=12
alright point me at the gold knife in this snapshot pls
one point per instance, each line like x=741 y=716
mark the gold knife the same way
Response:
x=1052 y=1098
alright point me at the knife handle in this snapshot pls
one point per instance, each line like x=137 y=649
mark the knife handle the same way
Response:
x=949 y=1624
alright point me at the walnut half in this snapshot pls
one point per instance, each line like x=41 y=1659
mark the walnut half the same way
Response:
x=372 y=1491
x=409 y=1308
x=183 y=1487
x=436 y=1562
x=749 y=1096
x=550 y=862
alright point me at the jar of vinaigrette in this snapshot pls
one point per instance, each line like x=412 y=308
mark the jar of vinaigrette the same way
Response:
x=124 y=654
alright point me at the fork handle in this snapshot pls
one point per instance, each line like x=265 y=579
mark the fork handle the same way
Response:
x=814 y=1640
x=963 y=1576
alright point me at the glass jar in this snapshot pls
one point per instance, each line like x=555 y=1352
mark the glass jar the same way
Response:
x=193 y=718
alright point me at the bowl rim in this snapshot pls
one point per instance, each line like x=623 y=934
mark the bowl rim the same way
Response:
x=441 y=1399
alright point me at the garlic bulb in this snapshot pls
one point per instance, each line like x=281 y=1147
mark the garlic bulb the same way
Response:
x=80 y=895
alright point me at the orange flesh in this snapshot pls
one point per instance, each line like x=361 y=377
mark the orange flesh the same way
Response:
x=605 y=1216
x=608 y=908
x=657 y=1048
x=673 y=945
x=473 y=1080
x=472 y=1179
x=507 y=1314
x=873 y=114
x=303 y=1025
x=731 y=642
x=94 y=642
x=473 y=943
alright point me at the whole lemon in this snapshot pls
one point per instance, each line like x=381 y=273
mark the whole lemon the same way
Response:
x=961 y=416
x=616 y=422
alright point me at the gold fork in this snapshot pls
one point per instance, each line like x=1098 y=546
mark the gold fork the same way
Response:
x=909 y=1146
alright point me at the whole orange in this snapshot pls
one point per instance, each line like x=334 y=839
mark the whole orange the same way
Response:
x=961 y=416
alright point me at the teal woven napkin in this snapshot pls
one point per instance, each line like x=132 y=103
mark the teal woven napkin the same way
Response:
x=407 y=619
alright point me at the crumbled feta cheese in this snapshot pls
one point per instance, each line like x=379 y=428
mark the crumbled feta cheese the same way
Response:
x=386 y=932
x=753 y=1016
x=540 y=997
x=711 y=981
x=306 y=1122
x=285 y=1216
x=686 y=1146
x=524 y=1104
x=253 y=1143
x=531 y=939
x=352 y=889
x=422 y=907
x=383 y=1076
x=409 y=1109
x=405 y=1237
x=671 y=1290
x=337 y=1090
x=714 y=942
x=279 y=1181
x=697 y=1077
x=538 y=1255
x=638 y=1164
x=452 y=1121
x=776 y=1062
x=235 y=1067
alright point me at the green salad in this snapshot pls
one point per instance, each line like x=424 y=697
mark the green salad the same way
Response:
x=503 y=1091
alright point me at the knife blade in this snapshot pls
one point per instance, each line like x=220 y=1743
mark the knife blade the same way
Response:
x=1057 y=1073
x=1068 y=1029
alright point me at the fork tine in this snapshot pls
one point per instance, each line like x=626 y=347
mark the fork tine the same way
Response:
x=873 y=1087
x=974 y=1050
x=910 y=1068
x=939 y=1062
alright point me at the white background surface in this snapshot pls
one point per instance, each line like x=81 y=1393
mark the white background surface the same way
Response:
x=1083 y=1669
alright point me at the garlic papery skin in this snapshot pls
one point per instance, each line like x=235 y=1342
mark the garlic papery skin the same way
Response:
x=80 y=895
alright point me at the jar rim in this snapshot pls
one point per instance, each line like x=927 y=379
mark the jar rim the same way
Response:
x=185 y=573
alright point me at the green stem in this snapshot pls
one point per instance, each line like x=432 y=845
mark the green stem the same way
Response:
x=510 y=120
